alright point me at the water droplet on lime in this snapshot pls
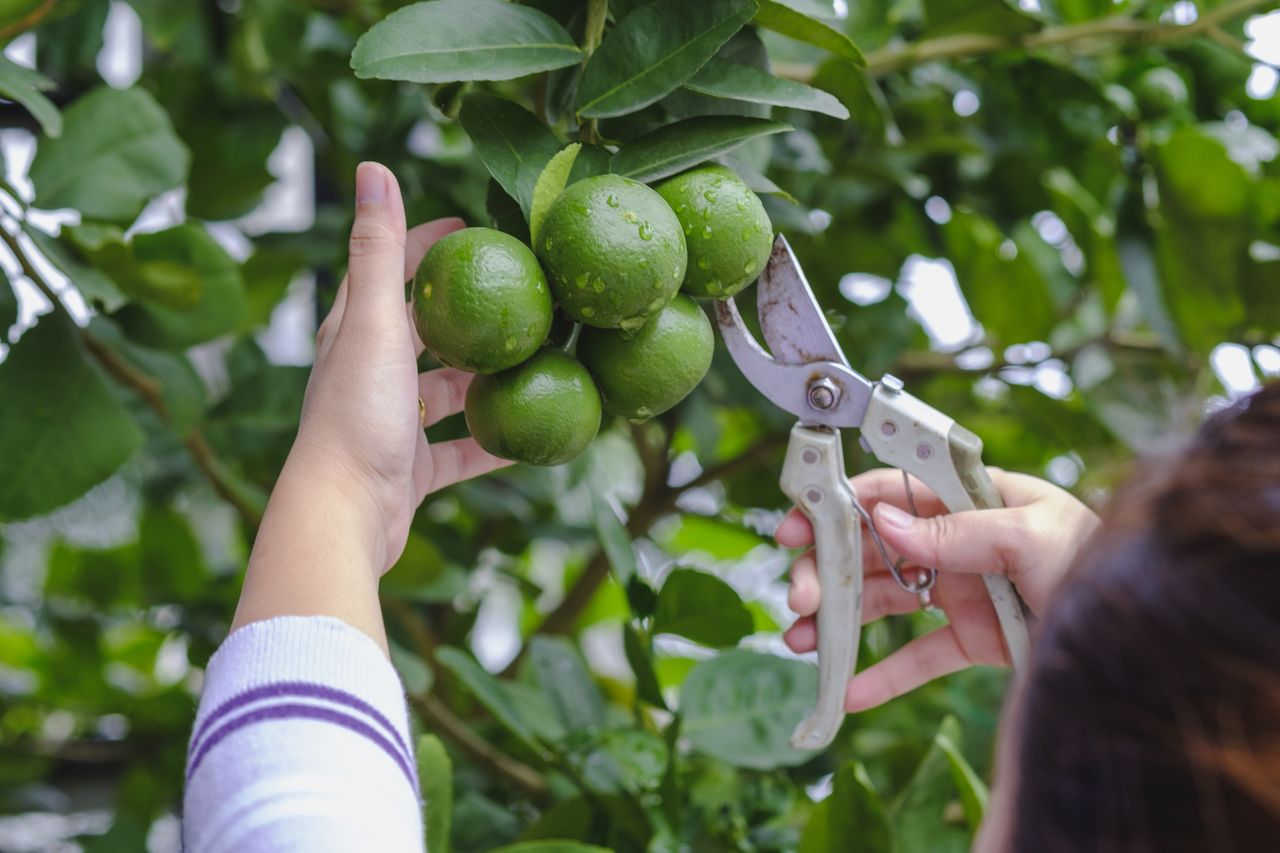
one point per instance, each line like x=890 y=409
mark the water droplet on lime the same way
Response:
x=426 y=290
x=611 y=200
x=631 y=324
x=704 y=264
x=655 y=305
x=588 y=311
x=710 y=196
x=630 y=216
x=706 y=232
x=706 y=213
x=646 y=233
x=676 y=273
x=598 y=285
x=749 y=267
x=532 y=330
x=512 y=343
x=582 y=279
x=547 y=245
x=714 y=287
x=657 y=285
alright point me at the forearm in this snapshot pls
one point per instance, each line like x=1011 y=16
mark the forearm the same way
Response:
x=319 y=551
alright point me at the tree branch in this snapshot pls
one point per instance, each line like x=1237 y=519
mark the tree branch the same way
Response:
x=148 y=388
x=438 y=716
x=651 y=507
x=1083 y=38
x=519 y=775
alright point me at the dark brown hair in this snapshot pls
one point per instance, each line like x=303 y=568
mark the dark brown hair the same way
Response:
x=1149 y=719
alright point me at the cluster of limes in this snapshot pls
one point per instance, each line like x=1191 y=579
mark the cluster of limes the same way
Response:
x=613 y=254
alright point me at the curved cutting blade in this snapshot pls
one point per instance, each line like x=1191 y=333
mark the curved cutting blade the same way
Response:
x=791 y=319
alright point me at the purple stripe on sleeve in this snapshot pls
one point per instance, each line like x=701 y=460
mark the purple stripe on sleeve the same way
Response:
x=286 y=711
x=286 y=689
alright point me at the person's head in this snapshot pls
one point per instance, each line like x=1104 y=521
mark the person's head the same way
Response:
x=1148 y=718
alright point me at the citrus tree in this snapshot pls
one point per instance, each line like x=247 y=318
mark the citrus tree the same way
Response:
x=591 y=649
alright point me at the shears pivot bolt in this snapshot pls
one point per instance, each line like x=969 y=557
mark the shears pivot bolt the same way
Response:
x=823 y=394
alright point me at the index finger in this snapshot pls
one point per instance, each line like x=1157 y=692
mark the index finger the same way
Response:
x=418 y=241
x=871 y=487
x=421 y=238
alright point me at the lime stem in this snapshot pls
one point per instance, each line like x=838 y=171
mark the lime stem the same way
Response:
x=570 y=346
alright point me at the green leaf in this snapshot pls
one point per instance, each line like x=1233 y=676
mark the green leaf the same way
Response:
x=721 y=78
x=615 y=541
x=488 y=691
x=514 y=145
x=852 y=819
x=988 y=17
x=27 y=87
x=551 y=846
x=918 y=812
x=435 y=777
x=1199 y=178
x=973 y=791
x=95 y=286
x=793 y=24
x=654 y=50
x=1006 y=292
x=64 y=430
x=117 y=150
x=563 y=677
x=741 y=707
x=443 y=41
x=549 y=185
x=641 y=662
x=702 y=608
x=679 y=146
x=162 y=281
x=222 y=305
x=623 y=761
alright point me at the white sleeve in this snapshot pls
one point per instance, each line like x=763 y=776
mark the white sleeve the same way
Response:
x=301 y=742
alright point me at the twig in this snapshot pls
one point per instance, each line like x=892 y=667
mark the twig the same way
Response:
x=147 y=387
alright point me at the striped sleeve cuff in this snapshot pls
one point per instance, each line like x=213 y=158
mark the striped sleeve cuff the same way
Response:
x=302 y=668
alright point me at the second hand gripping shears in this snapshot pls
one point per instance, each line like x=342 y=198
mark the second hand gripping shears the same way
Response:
x=805 y=373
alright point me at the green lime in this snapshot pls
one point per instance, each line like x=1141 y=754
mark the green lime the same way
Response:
x=728 y=233
x=644 y=374
x=613 y=251
x=480 y=301
x=1159 y=91
x=543 y=412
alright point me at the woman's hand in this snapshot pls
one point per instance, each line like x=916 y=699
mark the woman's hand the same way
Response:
x=361 y=421
x=339 y=514
x=1032 y=540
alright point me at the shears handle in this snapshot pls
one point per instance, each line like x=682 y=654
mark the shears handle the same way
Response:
x=813 y=477
x=903 y=431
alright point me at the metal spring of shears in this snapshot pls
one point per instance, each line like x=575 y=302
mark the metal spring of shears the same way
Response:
x=925 y=577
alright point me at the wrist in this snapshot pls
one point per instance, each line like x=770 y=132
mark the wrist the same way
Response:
x=325 y=488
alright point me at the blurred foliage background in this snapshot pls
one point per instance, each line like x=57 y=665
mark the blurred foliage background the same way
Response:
x=1058 y=221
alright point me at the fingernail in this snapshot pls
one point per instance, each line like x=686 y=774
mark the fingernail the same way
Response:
x=891 y=516
x=371 y=183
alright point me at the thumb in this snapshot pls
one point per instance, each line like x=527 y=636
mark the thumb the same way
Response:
x=988 y=540
x=376 y=252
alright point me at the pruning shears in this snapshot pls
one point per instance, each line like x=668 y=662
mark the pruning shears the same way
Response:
x=805 y=373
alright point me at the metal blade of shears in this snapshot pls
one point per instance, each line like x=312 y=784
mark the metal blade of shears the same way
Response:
x=793 y=323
